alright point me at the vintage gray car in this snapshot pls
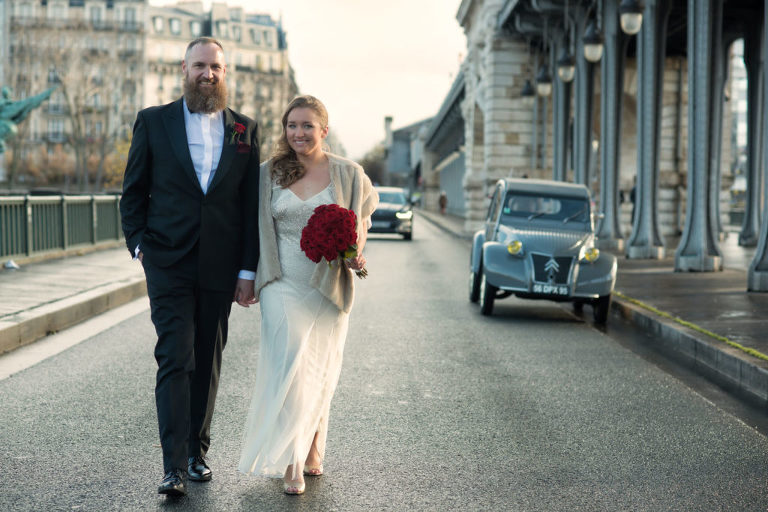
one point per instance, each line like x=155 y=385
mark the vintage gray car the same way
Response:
x=539 y=243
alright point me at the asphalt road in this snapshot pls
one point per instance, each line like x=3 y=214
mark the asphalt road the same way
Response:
x=438 y=408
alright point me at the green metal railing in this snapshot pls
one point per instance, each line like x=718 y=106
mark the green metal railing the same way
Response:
x=31 y=225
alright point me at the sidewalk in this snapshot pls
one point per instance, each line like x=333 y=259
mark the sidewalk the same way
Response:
x=706 y=319
x=42 y=298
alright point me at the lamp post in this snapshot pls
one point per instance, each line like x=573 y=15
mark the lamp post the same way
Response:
x=593 y=42
x=528 y=93
x=543 y=82
x=566 y=67
x=631 y=16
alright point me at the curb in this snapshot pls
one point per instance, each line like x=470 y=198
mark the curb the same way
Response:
x=28 y=326
x=715 y=360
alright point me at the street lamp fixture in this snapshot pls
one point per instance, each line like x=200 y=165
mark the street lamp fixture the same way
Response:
x=566 y=68
x=593 y=43
x=631 y=16
x=543 y=82
x=528 y=93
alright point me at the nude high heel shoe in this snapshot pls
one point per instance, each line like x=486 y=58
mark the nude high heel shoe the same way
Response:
x=293 y=488
x=313 y=470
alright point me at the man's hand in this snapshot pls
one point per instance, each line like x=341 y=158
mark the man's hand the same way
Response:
x=244 y=293
x=141 y=257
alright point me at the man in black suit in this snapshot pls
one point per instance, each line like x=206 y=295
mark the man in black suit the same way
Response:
x=189 y=212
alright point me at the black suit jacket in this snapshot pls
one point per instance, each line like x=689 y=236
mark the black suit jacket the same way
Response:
x=164 y=210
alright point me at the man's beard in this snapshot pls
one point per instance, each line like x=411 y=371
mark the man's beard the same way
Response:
x=205 y=101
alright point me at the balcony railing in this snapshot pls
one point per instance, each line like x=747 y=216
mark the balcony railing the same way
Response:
x=31 y=225
x=73 y=23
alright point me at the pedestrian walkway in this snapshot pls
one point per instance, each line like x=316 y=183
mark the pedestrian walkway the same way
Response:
x=707 y=319
x=42 y=298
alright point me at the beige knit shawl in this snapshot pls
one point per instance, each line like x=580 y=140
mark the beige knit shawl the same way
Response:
x=353 y=190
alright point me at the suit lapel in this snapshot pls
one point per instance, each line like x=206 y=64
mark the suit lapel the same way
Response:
x=174 y=125
x=227 y=149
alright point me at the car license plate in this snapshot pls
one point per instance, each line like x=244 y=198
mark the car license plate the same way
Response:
x=380 y=224
x=550 y=289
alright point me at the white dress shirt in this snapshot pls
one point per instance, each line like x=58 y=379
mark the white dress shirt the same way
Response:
x=205 y=136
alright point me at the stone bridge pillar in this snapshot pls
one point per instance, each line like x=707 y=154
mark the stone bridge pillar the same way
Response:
x=757 y=279
x=646 y=240
x=583 y=106
x=753 y=61
x=609 y=234
x=561 y=116
x=497 y=121
x=698 y=249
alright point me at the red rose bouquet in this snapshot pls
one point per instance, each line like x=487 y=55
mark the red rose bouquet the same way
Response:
x=331 y=233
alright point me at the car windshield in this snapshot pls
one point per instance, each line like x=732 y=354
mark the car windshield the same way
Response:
x=391 y=197
x=518 y=206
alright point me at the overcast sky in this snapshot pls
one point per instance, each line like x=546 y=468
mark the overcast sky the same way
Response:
x=366 y=59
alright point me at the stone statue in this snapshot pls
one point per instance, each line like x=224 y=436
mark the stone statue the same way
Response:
x=14 y=112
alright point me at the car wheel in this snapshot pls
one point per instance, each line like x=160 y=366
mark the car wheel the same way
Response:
x=600 y=308
x=578 y=307
x=408 y=235
x=474 y=287
x=487 y=296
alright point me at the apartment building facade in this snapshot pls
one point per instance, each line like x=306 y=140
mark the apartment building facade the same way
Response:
x=110 y=58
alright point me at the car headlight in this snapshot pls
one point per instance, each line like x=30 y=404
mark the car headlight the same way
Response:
x=404 y=215
x=515 y=247
x=592 y=254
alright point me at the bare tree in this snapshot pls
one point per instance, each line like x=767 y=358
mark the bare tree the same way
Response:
x=374 y=163
x=89 y=64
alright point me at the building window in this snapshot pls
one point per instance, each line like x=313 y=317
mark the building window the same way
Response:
x=157 y=21
x=24 y=11
x=222 y=29
x=57 y=11
x=174 y=25
x=236 y=33
x=95 y=15
x=256 y=36
x=129 y=18
x=56 y=130
x=196 y=28
x=268 y=37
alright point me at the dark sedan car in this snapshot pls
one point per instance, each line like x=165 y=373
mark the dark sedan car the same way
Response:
x=394 y=213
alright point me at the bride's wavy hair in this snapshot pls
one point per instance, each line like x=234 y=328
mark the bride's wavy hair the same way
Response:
x=286 y=168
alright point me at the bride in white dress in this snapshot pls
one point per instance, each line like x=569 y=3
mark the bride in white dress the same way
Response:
x=304 y=305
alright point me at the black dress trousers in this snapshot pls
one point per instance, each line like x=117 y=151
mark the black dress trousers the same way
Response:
x=191 y=326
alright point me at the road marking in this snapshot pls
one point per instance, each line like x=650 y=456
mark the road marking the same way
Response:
x=29 y=355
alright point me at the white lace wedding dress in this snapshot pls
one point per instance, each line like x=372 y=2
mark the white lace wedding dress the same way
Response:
x=302 y=341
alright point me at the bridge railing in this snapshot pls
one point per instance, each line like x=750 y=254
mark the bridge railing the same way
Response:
x=32 y=225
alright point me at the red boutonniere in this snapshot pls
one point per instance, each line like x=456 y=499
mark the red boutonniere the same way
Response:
x=238 y=130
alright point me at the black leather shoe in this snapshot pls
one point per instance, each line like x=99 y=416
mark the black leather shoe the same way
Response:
x=198 y=470
x=173 y=483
